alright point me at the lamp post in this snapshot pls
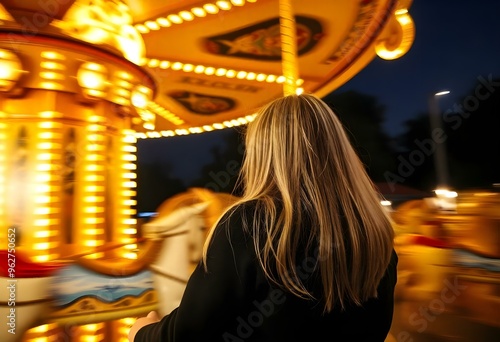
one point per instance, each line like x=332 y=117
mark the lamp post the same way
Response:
x=440 y=159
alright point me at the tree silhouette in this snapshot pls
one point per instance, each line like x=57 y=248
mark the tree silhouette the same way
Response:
x=155 y=184
x=362 y=116
x=222 y=173
x=472 y=140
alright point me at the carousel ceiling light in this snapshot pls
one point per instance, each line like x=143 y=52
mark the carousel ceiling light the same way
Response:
x=10 y=70
x=142 y=28
x=187 y=16
x=239 y=2
x=163 y=22
x=224 y=5
x=152 y=25
x=199 y=12
x=141 y=96
x=92 y=77
x=211 y=8
x=174 y=18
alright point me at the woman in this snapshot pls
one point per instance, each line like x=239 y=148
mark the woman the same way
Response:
x=306 y=254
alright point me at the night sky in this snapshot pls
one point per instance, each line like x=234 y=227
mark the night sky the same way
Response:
x=456 y=42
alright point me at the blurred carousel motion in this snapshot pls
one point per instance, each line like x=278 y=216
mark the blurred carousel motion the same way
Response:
x=82 y=80
x=449 y=268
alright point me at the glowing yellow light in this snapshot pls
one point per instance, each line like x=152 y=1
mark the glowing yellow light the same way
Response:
x=164 y=64
x=153 y=63
x=211 y=8
x=251 y=76
x=163 y=22
x=52 y=65
x=43 y=234
x=92 y=76
x=152 y=25
x=93 y=231
x=224 y=5
x=199 y=12
x=239 y=2
x=261 y=77
x=199 y=69
x=209 y=71
x=230 y=73
x=52 y=55
x=141 y=28
x=188 y=67
x=187 y=16
x=177 y=66
x=270 y=78
x=174 y=18
x=129 y=184
x=220 y=72
x=93 y=210
x=241 y=74
x=41 y=246
x=130 y=231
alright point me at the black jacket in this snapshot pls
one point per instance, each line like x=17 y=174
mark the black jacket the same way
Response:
x=235 y=302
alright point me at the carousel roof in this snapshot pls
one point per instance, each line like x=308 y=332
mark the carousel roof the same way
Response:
x=214 y=62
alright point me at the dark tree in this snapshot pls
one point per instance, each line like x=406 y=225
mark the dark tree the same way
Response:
x=155 y=184
x=363 y=116
x=471 y=139
x=222 y=173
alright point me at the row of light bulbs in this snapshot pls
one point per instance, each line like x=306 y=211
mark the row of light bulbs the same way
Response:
x=184 y=16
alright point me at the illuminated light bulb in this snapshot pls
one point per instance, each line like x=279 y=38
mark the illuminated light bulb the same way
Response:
x=10 y=70
x=261 y=77
x=211 y=8
x=199 y=69
x=251 y=76
x=153 y=63
x=163 y=22
x=209 y=71
x=187 y=16
x=52 y=66
x=224 y=5
x=140 y=96
x=188 y=67
x=164 y=64
x=152 y=25
x=199 y=12
x=220 y=72
x=141 y=28
x=50 y=75
x=177 y=66
x=52 y=55
x=238 y=2
x=230 y=73
x=241 y=74
x=281 y=79
x=270 y=78
x=174 y=18
x=92 y=76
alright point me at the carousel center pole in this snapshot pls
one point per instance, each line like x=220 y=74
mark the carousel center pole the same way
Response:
x=289 y=61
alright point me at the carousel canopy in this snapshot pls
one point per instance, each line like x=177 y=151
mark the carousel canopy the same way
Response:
x=213 y=63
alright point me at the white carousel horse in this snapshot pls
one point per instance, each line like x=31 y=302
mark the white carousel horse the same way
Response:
x=183 y=237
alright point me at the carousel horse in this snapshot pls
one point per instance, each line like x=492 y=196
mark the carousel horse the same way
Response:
x=84 y=290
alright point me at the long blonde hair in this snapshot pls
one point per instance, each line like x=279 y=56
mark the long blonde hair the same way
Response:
x=313 y=195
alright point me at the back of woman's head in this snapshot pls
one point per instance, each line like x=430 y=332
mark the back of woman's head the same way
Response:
x=313 y=197
x=297 y=142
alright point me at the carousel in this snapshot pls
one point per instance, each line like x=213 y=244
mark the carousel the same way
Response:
x=82 y=80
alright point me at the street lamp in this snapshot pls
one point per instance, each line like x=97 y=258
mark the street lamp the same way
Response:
x=440 y=159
